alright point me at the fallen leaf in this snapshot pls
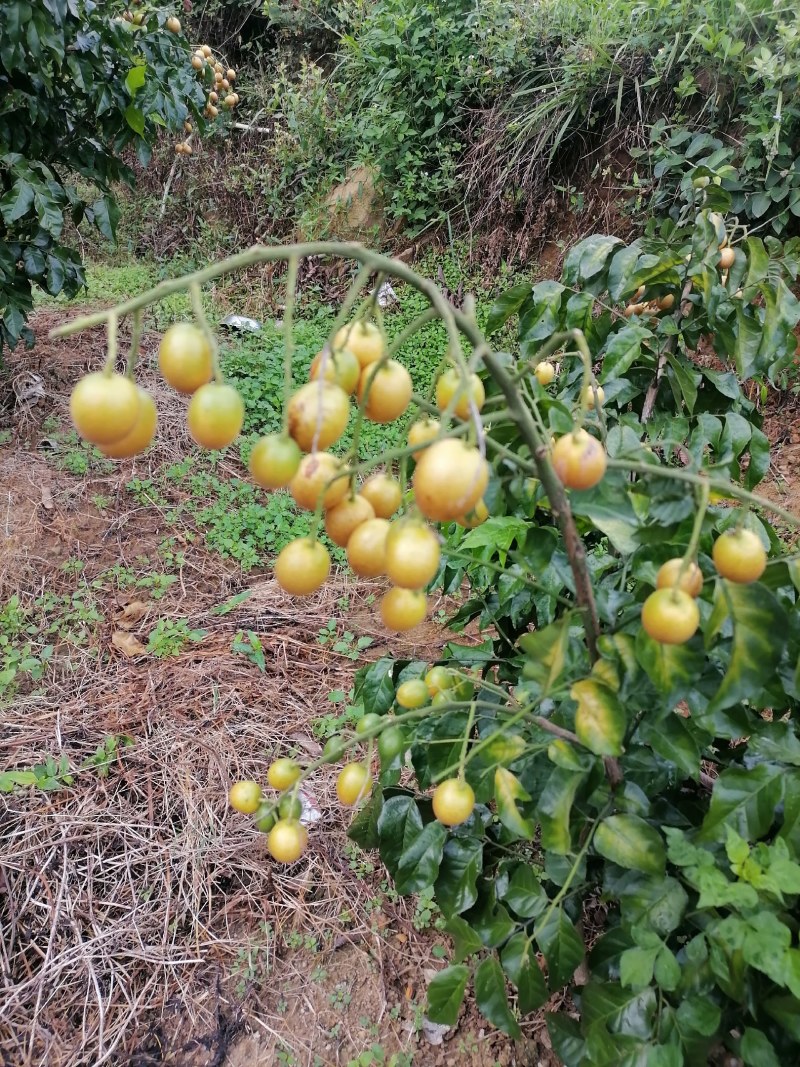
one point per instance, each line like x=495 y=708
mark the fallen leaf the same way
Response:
x=131 y=614
x=128 y=644
x=47 y=498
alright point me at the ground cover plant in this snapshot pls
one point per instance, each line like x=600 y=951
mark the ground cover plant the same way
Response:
x=601 y=792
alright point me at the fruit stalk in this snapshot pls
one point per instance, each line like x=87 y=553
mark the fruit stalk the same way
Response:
x=136 y=338
x=200 y=317
x=288 y=338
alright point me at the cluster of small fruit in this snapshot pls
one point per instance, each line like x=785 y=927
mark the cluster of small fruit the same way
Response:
x=279 y=817
x=112 y=412
x=219 y=81
x=670 y=615
x=449 y=478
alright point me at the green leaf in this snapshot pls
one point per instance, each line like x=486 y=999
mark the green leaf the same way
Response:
x=547 y=650
x=600 y=719
x=785 y=1010
x=446 y=994
x=507 y=792
x=17 y=202
x=672 y=739
x=586 y=259
x=519 y=963
x=399 y=824
x=667 y=971
x=673 y=669
x=700 y=1015
x=541 y=319
x=375 y=688
x=462 y=862
x=632 y=843
x=687 y=378
x=364 y=827
x=744 y=799
x=760 y=630
x=135 y=119
x=606 y=1005
x=490 y=996
x=136 y=78
x=105 y=213
x=506 y=305
x=561 y=946
x=525 y=895
x=565 y=1034
x=498 y=532
x=465 y=940
x=636 y=966
x=419 y=863
x=655 y=902
x=9 y=780
x=554 y=808
x=622 y=349
x=757 y=1050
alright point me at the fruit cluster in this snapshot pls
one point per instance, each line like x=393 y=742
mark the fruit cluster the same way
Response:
x=279 y=817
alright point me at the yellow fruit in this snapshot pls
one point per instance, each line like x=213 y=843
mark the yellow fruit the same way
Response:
x=104 y=407
x=319 y=474
x=366 y=548
x=591 y=399
x=353 y=783
x=342 y=520
x=318 y=414
x=139 y=437
x=449 y=480
x=283 y=773
x=451 y=383
x=423 y=432
x=403 y=609
x=302 y=567
x=739 y=556
x=245 y=797
x=384 y=494
x=363 y=339
x=691 y=581
x=545 y=373
x=453 y=801
x=670 y=616
x=287 y=840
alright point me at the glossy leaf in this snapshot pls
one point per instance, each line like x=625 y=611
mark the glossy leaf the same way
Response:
x=600 y=718
x=456 y=888
x=745 y=800
x=560 y=945
x=760 y=627
x=508 y=791
x=506 y=305
x=446 y=994
x=519 y=963
x=632 y=843
x=465 y=940
x=490 y=996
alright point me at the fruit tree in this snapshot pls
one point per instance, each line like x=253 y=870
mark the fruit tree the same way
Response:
x=603 y=790
x=82 y=84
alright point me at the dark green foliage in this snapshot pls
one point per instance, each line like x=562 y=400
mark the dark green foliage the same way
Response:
x=79 y=89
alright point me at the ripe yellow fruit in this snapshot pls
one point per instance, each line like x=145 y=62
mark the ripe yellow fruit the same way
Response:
x=344 y=519
x=318 y=414
x=198 y=62
x=451 y=384
x=423 y=432
x=283 y=773
x=691 y=581
x=412 y=554
x=206 y=51
x=173 y=24
x=245 y=797
x=363 y=339
x=591 y=399
x=453 y=801
x=353 y=783
x=318 y=474
x=739 y=556
x=449 y=480
x=403 y=609
x=104 y=407
x=302 y=567
x=388 y=390
x=545 y=373
x=670 y=616
x=726 y=258
x=478 y=515
x=137 y=439
x=384 y=493
x=366 y=548
x=287 y=840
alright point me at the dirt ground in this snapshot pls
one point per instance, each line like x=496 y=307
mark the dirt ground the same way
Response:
x=143 y=920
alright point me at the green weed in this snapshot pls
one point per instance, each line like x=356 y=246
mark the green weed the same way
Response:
x=171 y=636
